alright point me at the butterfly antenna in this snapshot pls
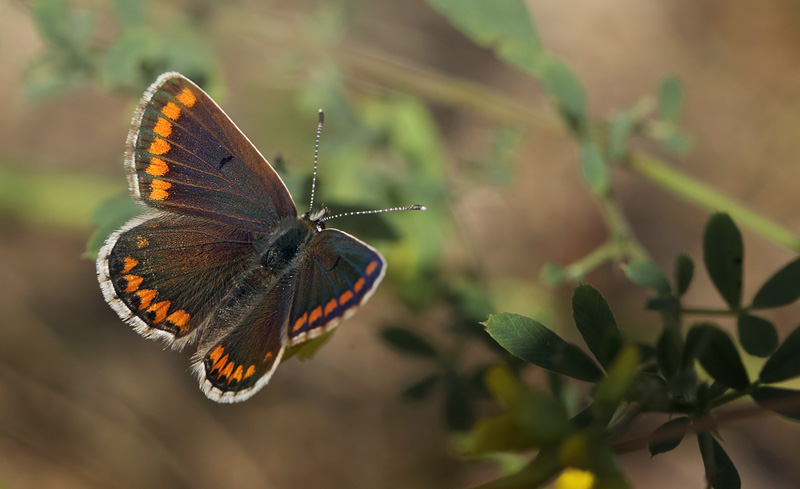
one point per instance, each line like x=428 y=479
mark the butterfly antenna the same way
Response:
x=377 y=211
x=316 y=159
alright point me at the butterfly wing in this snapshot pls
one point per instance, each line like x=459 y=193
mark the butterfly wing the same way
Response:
x=246 y=338
x=186 y=156
x=336 y=274
x=163 y=273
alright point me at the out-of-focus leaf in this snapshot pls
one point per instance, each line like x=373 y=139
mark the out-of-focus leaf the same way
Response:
x=553 y=274
x=408 y=342
x=567 y=91
x=109 y=217
x=535 y=343
x=717 y=354
x=723 y=253
x=784 y=364
x=421 y=389
x=615 y=386
x=684 y=271
x=757 y=335
x=620 y=129
x=785 y=402
x=781 y=289
x=670 y=346
x=504 y=27
x=668 y=436
x=670 y=99
x=458 y=412
x=647 y=274
x=594 y=169
x=596 y=323
x=720 y=471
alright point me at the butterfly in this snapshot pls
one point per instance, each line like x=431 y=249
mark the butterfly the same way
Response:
x=220 y=256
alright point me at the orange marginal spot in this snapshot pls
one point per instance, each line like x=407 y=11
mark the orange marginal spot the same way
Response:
x=300 y=321
x=141 y=242
x=187 y=98
x=315 y=314
x=172 y=111
x=268 y=356
x=163 y=128
x=220 y=363
x=160 y=188
x=179 y=318
x=157 y=167
x=160 y=308
x=371 y=267
x=331 y=306
x=216 y=353
x=129 y=264
x=250 y=371
x=159 y=146
x=227 y=371
x=345 y=297
x=237 y=374
x=359 y=285
x=146 y=296
x=134 y=281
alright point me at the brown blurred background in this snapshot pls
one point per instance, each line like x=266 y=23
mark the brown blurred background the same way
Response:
x=85 y=402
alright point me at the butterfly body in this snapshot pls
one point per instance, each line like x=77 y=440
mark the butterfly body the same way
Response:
x=221 y=257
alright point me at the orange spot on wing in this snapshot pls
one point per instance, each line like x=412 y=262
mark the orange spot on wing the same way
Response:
x=172 y=111
x=134 y=281
x=163 y=128
x=141 y=242
x=216 y=353
x=129 y=264
x=345 y=297
x=371 y=267
x=268 y=356
x=179 y=318
x=160 y=188
x=146 y=296
x=159 y=146
x=315 y=314
x=187 y=98
x=220 y=363
x=300 y=321
x=250 y=371
x=226 y=372
x=160 y=308
x=331 y=306
x=359 y=285
x=237 y=374
x=158 y=167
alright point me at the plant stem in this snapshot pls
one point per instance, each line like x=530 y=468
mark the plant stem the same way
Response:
x=709 y=312
x=703 y=195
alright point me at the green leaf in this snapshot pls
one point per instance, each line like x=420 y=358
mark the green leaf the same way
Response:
x=670 y=99
x=594 y=169
x=420 y=390
x=553 y=274
x=663 y=304
x=109 y=217
x=785 y=402
x=717 y=354
x=620 y=129
x=723 y=253
x=781 y=289
x=645 y=273
x=615 y=386
x=757 y=335
x=505 y=27
x=566 y=90
x=596 y=324
x=458 y=412
x=535 y=343
x=669 y=350
x=720 y=471
x=784 y=364
x=408 y=342
x=684 y=271
x=668 y=436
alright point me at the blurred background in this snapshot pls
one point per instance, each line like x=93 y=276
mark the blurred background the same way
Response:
x=415 y=113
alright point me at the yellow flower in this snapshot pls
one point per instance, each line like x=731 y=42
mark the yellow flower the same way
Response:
x=575 y=479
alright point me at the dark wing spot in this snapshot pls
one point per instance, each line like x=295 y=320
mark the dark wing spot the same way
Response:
x=224 y=161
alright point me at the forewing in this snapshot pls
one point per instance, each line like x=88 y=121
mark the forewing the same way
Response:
x=165 y=273
x=185 y=155
x=336 y=274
